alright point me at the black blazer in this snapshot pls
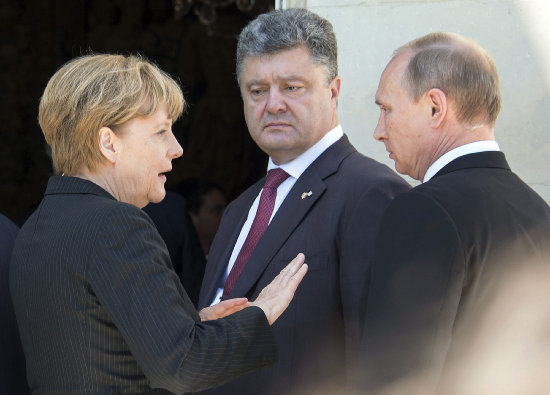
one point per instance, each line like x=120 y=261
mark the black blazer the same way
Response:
x=100 y=309
x=439 y=250
x=12 y=361
x=335 y=229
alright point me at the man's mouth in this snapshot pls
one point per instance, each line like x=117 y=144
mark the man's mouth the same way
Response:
x=275 y=125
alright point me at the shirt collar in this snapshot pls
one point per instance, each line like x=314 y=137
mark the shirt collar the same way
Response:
x=448 y=157
x=297 y=166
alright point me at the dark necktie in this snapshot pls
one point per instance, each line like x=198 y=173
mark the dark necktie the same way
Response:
x=267 y=200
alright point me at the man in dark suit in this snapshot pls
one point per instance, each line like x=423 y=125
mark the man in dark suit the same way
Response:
x=329 y=204
x=443 y=245
x=12 y=361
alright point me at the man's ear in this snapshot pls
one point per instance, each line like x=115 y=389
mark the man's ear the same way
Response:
x=108 y=144
x=437 y=100
x=335 y=88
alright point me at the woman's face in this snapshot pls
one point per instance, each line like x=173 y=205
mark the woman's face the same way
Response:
x=146 y=148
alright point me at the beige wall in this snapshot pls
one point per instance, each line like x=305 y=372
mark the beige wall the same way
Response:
x=515 y=32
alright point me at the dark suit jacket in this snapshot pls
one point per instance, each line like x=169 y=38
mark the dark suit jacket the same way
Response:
x=100 y=309
x=12 y=361
x=335 y=229
x=440 y=249
x=176 y=228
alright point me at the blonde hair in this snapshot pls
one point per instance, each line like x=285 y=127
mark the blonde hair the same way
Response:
x=98 y=90
x=458 y=66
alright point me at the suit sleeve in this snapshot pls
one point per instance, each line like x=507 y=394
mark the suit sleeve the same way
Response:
x=130 y=274
x=415 y=288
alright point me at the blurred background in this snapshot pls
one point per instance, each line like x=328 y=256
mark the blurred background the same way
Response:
x=194 y=41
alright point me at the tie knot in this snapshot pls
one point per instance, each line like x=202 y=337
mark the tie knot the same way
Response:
x=275 y=177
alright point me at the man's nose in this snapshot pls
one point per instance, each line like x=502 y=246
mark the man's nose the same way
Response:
x=275 y=102
x=380 y=131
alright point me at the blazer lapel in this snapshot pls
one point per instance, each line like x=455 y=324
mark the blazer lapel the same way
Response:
x=292 y=212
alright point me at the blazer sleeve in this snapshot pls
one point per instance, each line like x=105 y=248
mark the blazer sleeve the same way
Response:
x=130 y=274
x=415 y=287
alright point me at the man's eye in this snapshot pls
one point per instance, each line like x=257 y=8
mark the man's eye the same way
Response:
x=292 y=88
x=257 y=92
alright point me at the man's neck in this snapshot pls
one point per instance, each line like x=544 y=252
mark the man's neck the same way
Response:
x=457 y=136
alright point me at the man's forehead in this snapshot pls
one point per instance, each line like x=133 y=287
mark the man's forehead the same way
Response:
x=394 y=70
x=254 y=72
x=397 y=65
x=286 y=57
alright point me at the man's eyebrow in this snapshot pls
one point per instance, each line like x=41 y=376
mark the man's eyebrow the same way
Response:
x=255 y=82
x=291 y=77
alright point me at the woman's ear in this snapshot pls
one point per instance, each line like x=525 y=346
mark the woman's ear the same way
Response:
x=437 y=101
x=108 y=144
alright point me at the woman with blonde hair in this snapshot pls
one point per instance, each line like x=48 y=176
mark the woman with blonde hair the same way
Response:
x=99 y=308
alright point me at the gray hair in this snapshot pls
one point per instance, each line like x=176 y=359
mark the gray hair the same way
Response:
x=458 y=66
x=281 y=30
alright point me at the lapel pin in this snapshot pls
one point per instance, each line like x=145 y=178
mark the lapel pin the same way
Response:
x=306 y=194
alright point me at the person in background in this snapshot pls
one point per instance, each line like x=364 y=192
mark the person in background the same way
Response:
x=187 y=219
x=319 y=196
x=98 y=305
x=442 y=246
x=206 y=203
x=13 y=379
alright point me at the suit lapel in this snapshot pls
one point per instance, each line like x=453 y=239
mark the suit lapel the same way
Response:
x=231 y=226
x=291 y=213
x=285 y=221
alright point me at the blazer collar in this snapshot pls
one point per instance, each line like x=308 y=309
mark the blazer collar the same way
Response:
x=74 y=185
x=488 y=159
x=295 y=207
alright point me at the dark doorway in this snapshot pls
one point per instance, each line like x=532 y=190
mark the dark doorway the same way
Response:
x=194 y=44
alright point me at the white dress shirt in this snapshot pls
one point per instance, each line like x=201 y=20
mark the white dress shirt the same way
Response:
x=294 y=168
x=448 y=157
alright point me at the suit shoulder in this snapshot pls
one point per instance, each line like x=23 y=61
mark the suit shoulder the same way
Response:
x=361 y=165
x=92 y=211
x=361 y=172
x=416 y=202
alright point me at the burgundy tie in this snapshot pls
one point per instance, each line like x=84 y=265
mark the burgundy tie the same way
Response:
x=267 y=200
